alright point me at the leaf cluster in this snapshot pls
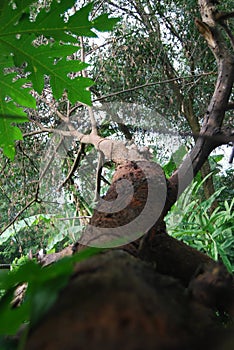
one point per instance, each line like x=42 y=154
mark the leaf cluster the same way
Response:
x=19 y=38
x=192 y=221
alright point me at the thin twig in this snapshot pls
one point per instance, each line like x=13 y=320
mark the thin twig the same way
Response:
x=143 y=86
x=97 y=9
x=151 y=84
x=75 y=218
x=34 y=200
x=74 y=166
x=226 y=138
x=4 y=166
x=35 y=132
x=229 y=33
x=71 y=132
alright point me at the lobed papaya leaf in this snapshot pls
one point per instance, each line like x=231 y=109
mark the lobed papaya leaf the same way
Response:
x=18 y=33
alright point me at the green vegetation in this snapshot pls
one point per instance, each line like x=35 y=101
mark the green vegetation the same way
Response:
x=43 y=286
x=192 y=221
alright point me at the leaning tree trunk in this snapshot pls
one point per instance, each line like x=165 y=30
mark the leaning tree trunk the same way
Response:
x=155 y=292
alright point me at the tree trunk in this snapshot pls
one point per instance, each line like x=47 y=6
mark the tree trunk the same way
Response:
x=163 y=297
x=116 y=301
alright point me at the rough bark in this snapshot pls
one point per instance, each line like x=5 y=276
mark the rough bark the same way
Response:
x=115 y=301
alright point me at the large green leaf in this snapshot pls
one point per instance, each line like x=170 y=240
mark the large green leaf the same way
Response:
x=17 y=46
x=18 y=33
x=51 y=60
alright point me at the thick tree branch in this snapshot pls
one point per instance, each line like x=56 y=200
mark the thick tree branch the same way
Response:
x=230 y=106
x=217 y=107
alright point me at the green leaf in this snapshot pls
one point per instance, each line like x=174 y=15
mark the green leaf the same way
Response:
x=175 y=159
x=13 y=317
x=225 y=259
x=8 y=135
x=179 y=154
x=41 y=60
x=17 y=45
x=51 y=60
x=51 y=23
x=10 y=16
x=44 y=285
x=217 y=158
x=16 y=91
x=103 y=23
